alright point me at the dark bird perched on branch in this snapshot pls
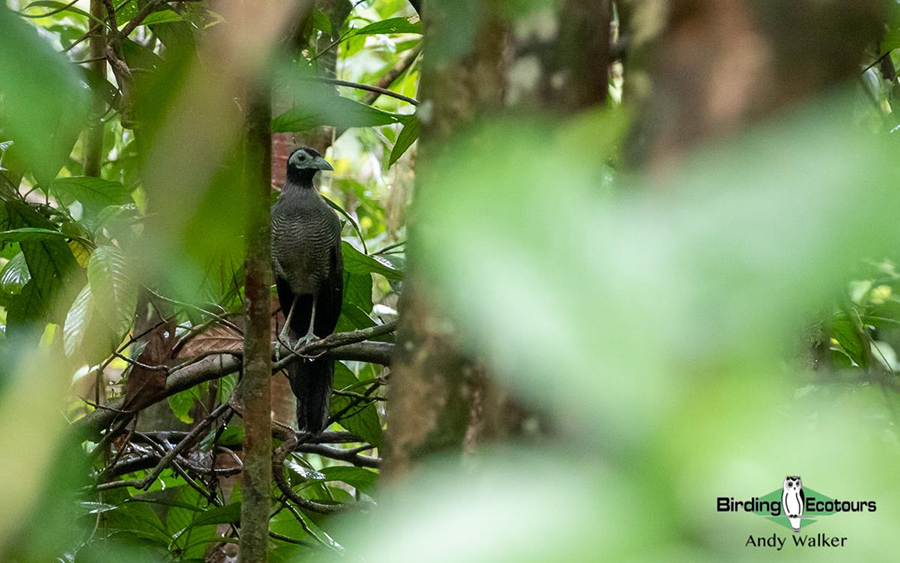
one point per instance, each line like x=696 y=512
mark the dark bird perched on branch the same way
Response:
x=309 y=275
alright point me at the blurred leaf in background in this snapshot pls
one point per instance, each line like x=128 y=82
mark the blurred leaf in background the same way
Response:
x=44 y=103
x=712 y=268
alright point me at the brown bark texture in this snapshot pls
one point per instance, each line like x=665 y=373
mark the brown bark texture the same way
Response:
x=721 y=66
x=430 y=398
x=256 y=478
x=555 y=61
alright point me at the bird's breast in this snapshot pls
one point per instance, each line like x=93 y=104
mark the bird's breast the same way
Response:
x=304 y=238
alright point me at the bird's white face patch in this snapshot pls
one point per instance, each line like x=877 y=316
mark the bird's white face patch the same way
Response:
x=300 y=159
x=303 y=158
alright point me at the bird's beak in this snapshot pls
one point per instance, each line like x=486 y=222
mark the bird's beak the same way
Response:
x=319 y=163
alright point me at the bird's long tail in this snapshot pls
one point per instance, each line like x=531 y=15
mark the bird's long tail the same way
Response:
x=311 y=382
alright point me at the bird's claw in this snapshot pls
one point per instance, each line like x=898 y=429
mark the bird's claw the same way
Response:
x=294 y=347
x=279 y=342
x=304 y=340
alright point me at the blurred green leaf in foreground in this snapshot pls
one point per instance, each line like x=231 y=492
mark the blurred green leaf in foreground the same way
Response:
x=614 y=309
x=656 y=323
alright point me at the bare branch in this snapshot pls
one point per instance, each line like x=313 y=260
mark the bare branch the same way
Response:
x=392 y=75
x=377 y=90
x=218 y=366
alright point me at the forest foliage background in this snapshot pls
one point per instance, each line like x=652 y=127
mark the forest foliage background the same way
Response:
x=650 y=259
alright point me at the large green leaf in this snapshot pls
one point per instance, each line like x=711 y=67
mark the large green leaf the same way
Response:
x=27 y=308
x=162 y=16
x=113 y=286
x=14 y=275
x=36 y=233
x=183 y=402
x=57 y=7
x=321 y=22
x=43 y=102
x=228 y=514
x=363 y=479
x=357 y=290
x=138 y=518
x=316 y=110
x=360 y=420
x=406 y=138
x=103 y=310
x=180 y=522
x=353 y=318
x=50 y=260
x=93 y=193
x=852 y=339
x=356 y=262
x=78 y=322
x=86 y=336
x=390 y=25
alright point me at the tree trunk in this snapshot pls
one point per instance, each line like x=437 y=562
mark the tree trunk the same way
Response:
x=93 y=142
x=439 y=400
x=430 y=400
x=256 y=478
x=721 y=66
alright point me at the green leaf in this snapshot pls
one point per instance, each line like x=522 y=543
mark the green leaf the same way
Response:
x=356 y=262
x=57 y=8
x=303 y=472
x=44 y=102
x=78 y=322
x=850 y=336
x=50 y=260
x=14 y=275
x=35 y=233
x=125 y=11
x=88 y=507
x=86 y=336
x=226 y=387
x=228 y=514
x=138 y=518
x=321 y=21
x=362 y=479
x=114 y=289
x=390 y=25
x=405 y=139
x=181 y=520
x=353 y=318
x=357 y=290
x=182 y=402
x=27 y=308
x=316 y=110
x=94 y=193
x=360 y=420
x=162 y=16
x=348 y=217
x=890 y=41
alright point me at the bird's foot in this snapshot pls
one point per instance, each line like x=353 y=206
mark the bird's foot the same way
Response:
x=279 y=343
x=304 y=340
x=292 y=347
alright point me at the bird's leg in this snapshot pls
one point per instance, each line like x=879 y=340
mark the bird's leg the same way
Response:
x=309 y=336
x=285 y=331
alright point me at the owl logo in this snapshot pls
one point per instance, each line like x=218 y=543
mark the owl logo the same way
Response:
x=793 y=500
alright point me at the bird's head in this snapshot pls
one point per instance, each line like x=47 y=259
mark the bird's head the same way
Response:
x=303 y=164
